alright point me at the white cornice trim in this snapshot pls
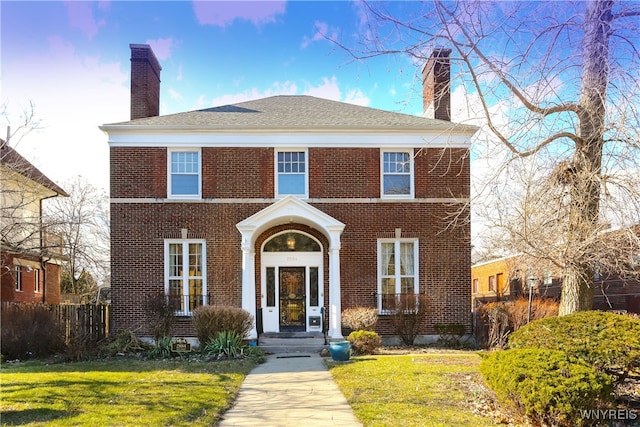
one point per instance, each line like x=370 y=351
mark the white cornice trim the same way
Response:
x=336 y=200
x=291 y=139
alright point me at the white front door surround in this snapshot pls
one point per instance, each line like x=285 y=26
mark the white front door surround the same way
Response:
x=287 y=211
x=271 y=301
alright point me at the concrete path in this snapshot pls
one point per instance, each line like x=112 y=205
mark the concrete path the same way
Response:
x=290 y=390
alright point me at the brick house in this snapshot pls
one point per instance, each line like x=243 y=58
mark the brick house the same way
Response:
x=30 y=258
x=291 y=207
x=511 y=277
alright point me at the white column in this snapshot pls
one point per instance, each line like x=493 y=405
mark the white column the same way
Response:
x=249 y=283
x=335 y=315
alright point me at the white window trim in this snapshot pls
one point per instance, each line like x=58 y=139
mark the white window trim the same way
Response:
x=18 y=278
x=278 y=195
x=411 y=173
x=185 y=272
x=416 y=275
x=184 y=196
x=36 y=281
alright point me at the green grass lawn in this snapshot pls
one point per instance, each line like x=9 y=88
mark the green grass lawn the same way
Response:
x=119 y=392
x=412 y=390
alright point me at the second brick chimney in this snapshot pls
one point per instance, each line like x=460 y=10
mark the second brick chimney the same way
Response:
x=145 y=82
x=436 y=82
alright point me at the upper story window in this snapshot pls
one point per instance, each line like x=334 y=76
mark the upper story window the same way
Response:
x=291 y=173
x=184 y=173
x=397 y=174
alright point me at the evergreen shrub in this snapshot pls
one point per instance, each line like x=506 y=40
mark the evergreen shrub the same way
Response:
x=609 y=342
x=547 y=386
x=364 y=342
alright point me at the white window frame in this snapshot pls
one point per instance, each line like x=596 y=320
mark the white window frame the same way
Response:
x=36 y=280
x=170 y=195
x=398 y=276
x=306 y=171
x=18 y=278
x=184 y=277
x=411 y=174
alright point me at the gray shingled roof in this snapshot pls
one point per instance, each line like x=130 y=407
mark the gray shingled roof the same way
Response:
x=298 y=111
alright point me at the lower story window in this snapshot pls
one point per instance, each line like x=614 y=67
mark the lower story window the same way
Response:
x=398 y=272
x=185 y=269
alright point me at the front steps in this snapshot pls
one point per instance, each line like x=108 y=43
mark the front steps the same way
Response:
x=292 y=342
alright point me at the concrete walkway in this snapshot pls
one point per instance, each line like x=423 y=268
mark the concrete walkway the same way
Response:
x=290 y=390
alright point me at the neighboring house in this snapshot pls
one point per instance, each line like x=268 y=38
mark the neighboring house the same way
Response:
x=30 y=258
x=291 y=207
x=511 y=277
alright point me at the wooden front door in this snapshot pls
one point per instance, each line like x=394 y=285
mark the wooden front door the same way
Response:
x=293 y=299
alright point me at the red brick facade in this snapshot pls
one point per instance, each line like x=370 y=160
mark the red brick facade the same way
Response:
x=337 y=174
x=19 y=276
x=237 y=206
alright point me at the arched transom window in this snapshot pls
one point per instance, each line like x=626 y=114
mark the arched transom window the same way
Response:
x=292 y=242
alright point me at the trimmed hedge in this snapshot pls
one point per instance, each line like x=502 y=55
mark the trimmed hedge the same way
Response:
x=547 y=386
x=610 y=342
x=364 y=342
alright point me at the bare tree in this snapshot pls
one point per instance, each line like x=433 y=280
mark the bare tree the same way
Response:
x=557 y=84
x=23 y=190
x=82 y=222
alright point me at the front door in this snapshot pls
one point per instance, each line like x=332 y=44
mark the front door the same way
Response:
x=292 y=299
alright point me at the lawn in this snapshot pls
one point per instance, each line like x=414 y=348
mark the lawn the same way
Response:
x=433 y=389
x=119 y=392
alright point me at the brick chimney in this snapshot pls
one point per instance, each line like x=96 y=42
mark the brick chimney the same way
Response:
x=145 y=82
x=436 y=81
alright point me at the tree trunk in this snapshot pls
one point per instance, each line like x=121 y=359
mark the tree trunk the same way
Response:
x=577 y=286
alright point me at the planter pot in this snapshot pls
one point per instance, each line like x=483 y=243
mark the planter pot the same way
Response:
x=340 y=350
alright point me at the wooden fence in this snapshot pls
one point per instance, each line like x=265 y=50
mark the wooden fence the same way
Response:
x=89 y=321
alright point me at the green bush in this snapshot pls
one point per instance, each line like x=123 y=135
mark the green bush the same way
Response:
x=360 y=318
x=210 y=320
x=364 y=342
x=227 y=344
x=609 y=342
x=30 y=330
x=162 y=348
x=547 y=386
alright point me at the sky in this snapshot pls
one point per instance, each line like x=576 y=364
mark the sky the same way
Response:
x=70 y=60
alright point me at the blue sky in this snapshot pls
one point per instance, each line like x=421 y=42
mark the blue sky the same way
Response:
x=71 y=60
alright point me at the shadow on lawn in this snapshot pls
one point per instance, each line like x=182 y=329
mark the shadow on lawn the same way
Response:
x=27 y=416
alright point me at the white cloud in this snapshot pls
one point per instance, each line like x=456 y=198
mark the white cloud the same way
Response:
x=162 y=48
x=327 y=89
x=80 y=16
x=223 y=13
x=174 y=94
x=322 y=32
x=93 y=93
